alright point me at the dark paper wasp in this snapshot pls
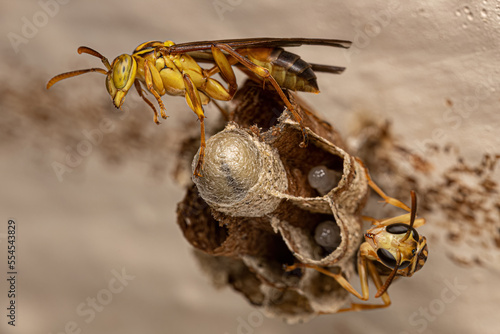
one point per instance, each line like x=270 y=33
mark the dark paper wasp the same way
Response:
x=168 y=68
x=392 y=247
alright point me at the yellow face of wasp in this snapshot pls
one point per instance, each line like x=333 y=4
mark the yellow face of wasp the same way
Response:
x=387 y=242
x=121 y=78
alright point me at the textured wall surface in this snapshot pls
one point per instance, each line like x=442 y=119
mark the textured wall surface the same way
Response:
x=91 y=188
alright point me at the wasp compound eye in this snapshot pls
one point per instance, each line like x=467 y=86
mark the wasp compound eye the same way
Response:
x=387 y=258
x=401 y=228
x=404 y=264
x=123 y=71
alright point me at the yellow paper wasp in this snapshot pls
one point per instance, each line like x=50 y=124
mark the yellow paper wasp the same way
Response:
x=168 y=68
x=392 y=247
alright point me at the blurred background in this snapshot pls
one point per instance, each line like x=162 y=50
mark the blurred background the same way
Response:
x=91 y=191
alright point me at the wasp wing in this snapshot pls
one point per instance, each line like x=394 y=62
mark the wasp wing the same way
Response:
x=207 y=57
x=327 y=68
x=258 y=43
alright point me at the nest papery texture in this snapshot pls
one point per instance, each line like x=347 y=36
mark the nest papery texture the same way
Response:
x=240 y=174
x=229 y=154
x=271 y=219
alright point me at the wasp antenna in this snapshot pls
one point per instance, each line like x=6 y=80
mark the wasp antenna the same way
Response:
x=413 y=213
x=391 y=277
x=92 y=52
x=71 y=74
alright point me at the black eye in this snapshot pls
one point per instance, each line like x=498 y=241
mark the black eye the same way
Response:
x=386 y=257
x=401 y=228
x=404 y=264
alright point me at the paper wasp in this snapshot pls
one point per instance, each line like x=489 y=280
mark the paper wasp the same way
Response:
x=168 y=68
x=392 y=247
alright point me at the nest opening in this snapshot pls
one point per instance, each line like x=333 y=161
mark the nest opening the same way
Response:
x=299 y=161
x=307 y=230
x=326 y=233
x=198 y=225
x=280 y=253
x=255 y=106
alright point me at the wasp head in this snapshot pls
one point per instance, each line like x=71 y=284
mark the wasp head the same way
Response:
x=120 y=78
x=120 y=75
x=398 y=246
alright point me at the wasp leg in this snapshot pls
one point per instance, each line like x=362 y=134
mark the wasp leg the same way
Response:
x=341 y=279
x=216 y=69
x=390 y=200
x=264 y=74
x=419 y=222
x=139 y=89
x=378 y=283
x=363 y=263
x=214 y=88
x=226 y=69
x=150 y=79
x=194 y=102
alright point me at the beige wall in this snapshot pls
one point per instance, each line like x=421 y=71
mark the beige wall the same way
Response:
x=116 y=209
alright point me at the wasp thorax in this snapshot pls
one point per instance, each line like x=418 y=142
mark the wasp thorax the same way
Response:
x=323 y=179
x=240 y=175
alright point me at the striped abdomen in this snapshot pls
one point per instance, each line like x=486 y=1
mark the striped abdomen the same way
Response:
x=287 y=68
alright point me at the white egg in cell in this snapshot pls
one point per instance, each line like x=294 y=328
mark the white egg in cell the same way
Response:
x=322 y=179
x=327 y=235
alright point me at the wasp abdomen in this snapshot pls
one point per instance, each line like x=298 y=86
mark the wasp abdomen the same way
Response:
x=291 y=72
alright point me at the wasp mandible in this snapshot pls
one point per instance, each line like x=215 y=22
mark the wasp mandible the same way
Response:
x=173 y=69
x=392 y=247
